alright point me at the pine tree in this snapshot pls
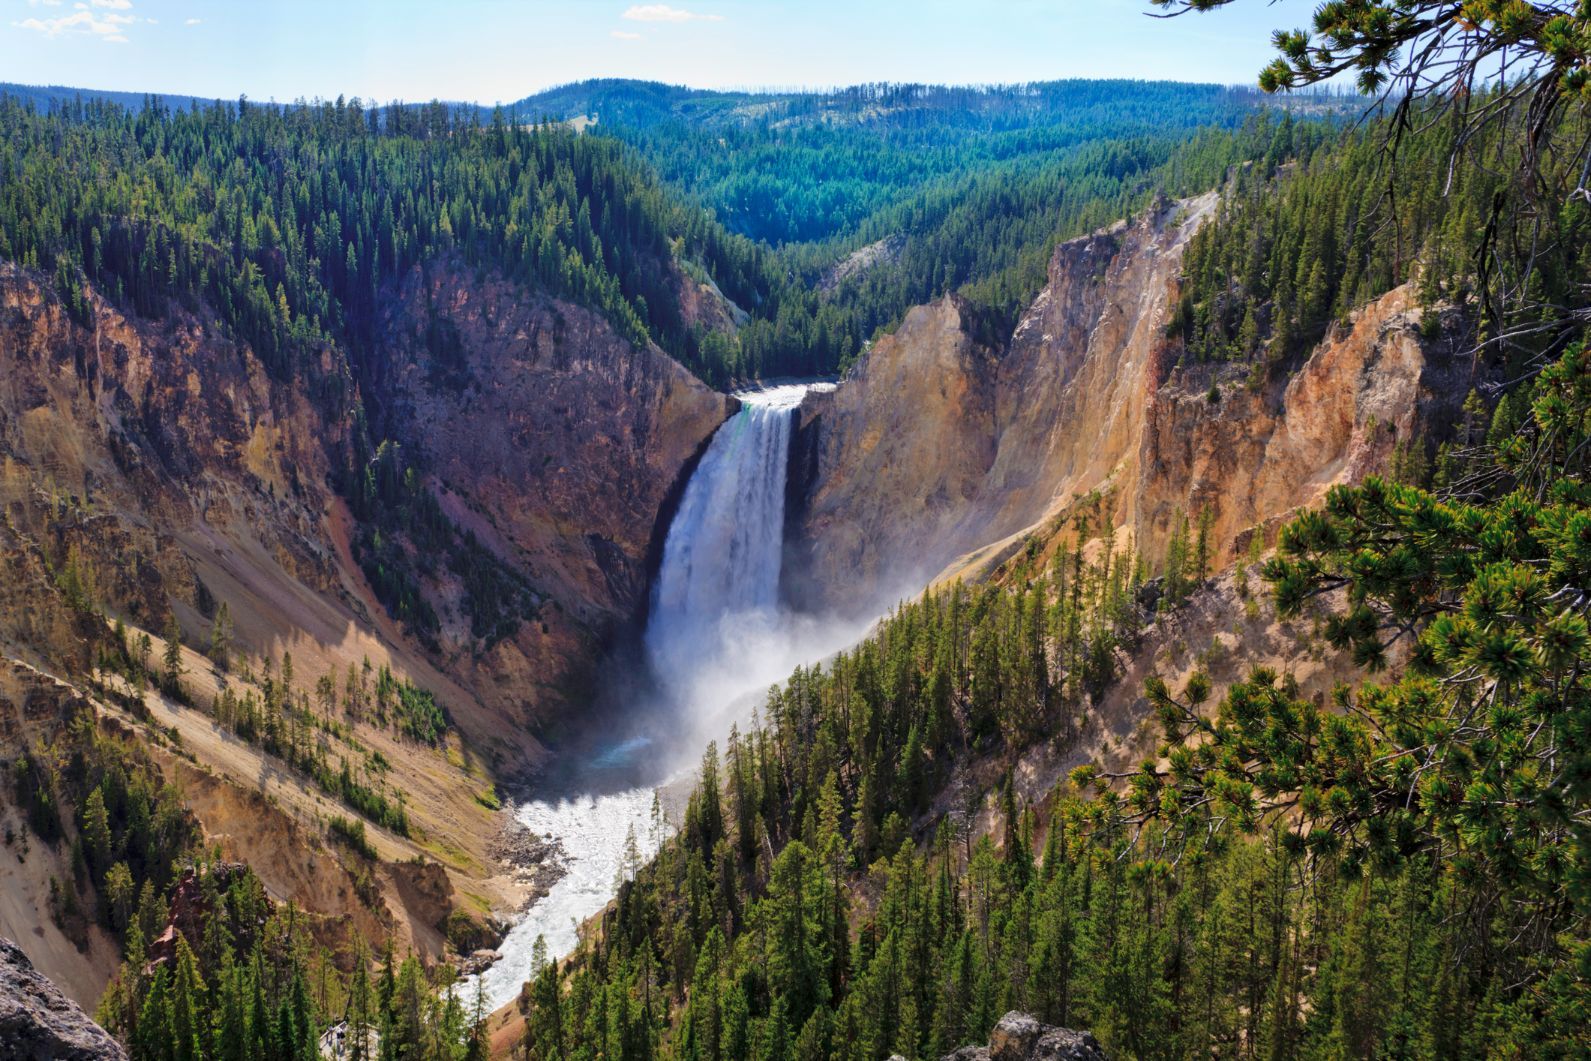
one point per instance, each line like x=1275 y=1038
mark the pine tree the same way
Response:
x=189 y=1029
x=220 y=650
x=360 y=1014
x=95 y=830
x=154 y=1037
x=171 y=660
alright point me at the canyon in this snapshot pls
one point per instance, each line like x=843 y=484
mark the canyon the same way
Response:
x=174 y=474
x=165 y=460
x=661 y=573
x=940 y=456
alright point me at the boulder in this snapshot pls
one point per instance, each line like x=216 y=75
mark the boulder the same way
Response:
x=1014 y=1037
x=1020 y=1037
x=39 y=1023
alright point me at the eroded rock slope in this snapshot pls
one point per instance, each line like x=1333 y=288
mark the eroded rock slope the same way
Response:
x=151 y=468
x=939 y=454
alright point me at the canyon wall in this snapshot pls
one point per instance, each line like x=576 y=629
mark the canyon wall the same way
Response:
x=551 y=436
x=155 y=467
x=184 y=474
x=939 y=456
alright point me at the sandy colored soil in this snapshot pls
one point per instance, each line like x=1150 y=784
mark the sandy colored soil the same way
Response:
x=323 y=631
x=236 y=790
x=1218 y=630
x=26 y=867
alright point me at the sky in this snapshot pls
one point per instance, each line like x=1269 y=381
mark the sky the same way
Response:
x=492 y=51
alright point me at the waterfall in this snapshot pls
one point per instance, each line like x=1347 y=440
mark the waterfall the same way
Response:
x=715 y=637
x=720 y=572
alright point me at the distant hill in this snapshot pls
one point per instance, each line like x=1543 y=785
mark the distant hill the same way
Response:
x=47 y=96
x=646 y=104
x=869 y=162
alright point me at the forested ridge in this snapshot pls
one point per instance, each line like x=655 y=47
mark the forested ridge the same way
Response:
x=815 y=166
x=211 y=965
x=1304 y=238
x=977 y=184
x=288 y=223
x=292 y=222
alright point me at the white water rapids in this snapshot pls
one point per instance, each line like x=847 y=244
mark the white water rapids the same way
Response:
x=716 y=636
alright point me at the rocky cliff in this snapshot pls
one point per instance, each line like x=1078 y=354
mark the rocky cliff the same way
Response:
x=120 y=439
x=939 y=455
x=184 y=474
x=1253 y=455
x=889 y=465
x=554 y=437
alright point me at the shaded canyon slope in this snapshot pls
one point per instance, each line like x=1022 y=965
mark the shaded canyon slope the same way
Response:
x=551 y=437
x=942 y=452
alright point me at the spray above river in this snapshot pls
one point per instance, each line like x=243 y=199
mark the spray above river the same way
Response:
x=716 y=637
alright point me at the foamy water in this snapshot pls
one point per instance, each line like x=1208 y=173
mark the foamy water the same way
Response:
x=592 y=830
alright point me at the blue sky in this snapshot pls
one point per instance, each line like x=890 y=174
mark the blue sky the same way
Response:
x=499 y=50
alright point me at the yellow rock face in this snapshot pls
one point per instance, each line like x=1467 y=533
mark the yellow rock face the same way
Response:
x=938 y=456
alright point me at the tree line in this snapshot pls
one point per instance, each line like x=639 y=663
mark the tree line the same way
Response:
x=1312 y=231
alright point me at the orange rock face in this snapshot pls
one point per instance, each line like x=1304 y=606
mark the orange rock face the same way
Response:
x=555 y=439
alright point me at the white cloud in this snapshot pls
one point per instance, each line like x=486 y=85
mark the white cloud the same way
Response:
x=664 y=13
x=193 y=22
x=114 y=5
x=626 y=35
x=107 y=27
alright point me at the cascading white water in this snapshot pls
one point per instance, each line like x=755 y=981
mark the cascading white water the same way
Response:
x=715 y=633
x=593 y=831
x=721 y=560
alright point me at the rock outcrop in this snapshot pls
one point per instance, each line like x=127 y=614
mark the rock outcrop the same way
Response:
x=39 y=1023
x=560 y=446
x=185 y=473
x=940 y=453
x=1019 y=1037
x=895 y=459
x=1253 y=456
x=938 y=444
